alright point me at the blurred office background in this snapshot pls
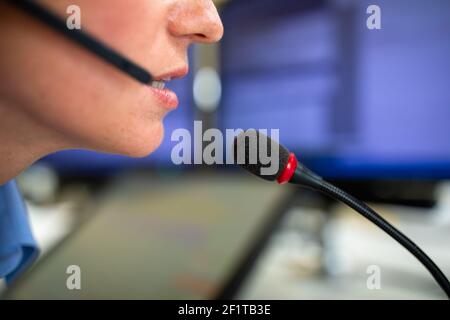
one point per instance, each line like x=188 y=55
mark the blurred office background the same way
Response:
x=367 y=109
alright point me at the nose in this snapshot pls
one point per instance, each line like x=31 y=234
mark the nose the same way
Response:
x=197 y=20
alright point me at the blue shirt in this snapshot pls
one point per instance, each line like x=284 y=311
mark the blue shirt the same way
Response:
x=18 y=248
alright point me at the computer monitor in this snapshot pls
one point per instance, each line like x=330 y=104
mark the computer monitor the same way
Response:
x=352 y=102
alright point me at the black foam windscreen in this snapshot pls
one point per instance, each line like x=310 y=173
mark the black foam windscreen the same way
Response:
x=253 y=149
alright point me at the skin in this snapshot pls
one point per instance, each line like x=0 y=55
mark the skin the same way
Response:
x=55 y=95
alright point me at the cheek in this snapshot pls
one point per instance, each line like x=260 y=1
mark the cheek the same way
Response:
x=135 y=128
x=81 y=99
x=116 y=117
x=128 y=125
x=132 y=27
x=141 y=140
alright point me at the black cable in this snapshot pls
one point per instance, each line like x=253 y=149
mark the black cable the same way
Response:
x=85 y=40
x=370 y=214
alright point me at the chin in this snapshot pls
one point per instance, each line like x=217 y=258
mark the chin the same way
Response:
x=142 y=145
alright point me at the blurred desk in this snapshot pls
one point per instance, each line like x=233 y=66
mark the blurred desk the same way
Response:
x=175 y=237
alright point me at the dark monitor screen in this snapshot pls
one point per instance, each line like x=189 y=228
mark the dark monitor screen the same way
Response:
x=351 y=101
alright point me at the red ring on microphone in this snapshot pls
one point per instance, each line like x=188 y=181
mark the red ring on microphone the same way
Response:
x=289 y=170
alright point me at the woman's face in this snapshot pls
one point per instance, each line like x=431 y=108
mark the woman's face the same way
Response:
x=85 y=101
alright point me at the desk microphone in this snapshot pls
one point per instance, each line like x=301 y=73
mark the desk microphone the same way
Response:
x=289 y=169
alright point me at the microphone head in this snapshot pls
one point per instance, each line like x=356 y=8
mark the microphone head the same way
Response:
x=252 y=151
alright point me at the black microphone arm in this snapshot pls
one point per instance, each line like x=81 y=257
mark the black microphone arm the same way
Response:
x=305 y=177
x=84 y=39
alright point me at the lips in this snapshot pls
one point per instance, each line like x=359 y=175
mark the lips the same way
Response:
x=173 y=74
x=167 y=98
